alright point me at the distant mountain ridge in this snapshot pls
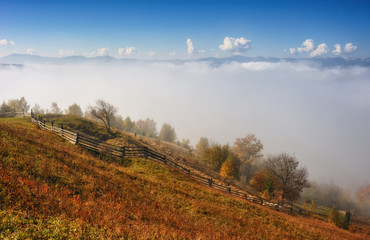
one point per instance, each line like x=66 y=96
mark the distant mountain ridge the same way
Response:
x=19 y=59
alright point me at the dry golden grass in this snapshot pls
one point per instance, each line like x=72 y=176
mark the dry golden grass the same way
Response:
x=50 y=189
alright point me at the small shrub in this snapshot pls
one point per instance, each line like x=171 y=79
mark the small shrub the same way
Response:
x=335 y=217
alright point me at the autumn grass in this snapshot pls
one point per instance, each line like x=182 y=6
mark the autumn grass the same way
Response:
x=51 y=189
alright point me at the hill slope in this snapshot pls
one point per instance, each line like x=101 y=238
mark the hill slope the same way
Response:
x=52 y=189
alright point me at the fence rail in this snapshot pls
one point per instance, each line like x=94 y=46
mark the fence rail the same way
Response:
x=102 y=147
x=13 y=114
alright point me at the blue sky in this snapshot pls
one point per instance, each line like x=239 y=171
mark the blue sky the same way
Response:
x=161 y=27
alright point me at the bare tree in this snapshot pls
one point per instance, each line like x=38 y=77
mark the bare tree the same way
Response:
x=104 y=111
x=290 y=179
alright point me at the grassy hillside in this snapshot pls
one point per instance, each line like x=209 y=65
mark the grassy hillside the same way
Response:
x=50 y=188
x=174 y=152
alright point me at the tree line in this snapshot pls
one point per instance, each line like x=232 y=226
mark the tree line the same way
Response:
x=107 y=114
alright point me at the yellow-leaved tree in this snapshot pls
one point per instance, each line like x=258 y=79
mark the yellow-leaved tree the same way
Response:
x=230 y=168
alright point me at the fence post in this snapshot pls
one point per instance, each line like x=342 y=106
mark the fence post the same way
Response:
x=165 y=160
x=123 y=150
x=261 y=201
x=44 y=123
x=32 y=114
x=229 y=190
x=62 y=129
x=146 y=152
x=77 y=138
x=210 y=182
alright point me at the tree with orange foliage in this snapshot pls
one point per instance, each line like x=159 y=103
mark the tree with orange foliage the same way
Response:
x=264 y=182
x=230 y=168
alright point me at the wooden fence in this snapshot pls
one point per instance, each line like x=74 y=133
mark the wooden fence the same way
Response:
x=12 y=114
x=102 y=147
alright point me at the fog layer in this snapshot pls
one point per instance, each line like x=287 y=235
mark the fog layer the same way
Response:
x=321 y=115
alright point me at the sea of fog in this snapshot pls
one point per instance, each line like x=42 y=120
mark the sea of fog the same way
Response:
x=319 y=114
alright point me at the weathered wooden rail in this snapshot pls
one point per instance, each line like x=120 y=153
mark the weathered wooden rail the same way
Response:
x=12 y=114
x=102 y=147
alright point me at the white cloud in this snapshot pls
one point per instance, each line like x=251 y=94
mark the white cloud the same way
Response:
x=190 y=46
x=151 y=54
x=172 y=53
x=131 y=51
x=121 y=51
x=337 y=50
x=3 y=42
x=349 y=48
x=30 y=51
x=307 y=46
x=292 y=50
x=201 y=51
x=320 y=50
x=6 y=42
x=102 y=52
x=127 y=51
x=236 y=45
x=66 y=53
